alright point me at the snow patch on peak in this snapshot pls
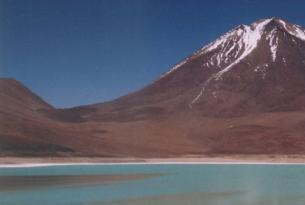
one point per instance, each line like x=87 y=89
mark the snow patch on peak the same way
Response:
x=262 y=22
x=294 y=30
x=299 y=32
x=273 y=43
x=238 y=31
x=250 y=41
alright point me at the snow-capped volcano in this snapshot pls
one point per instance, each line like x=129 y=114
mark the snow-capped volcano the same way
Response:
x=244 y=93
x=240 y=41
x=248 y=56
x=234 y=46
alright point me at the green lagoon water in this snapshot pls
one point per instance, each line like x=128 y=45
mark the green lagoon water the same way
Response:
x=154 y=185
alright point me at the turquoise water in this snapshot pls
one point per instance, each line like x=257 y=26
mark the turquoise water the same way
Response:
x=154 y=184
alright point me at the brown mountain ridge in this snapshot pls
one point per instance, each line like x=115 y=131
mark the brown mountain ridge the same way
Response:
x=244 y=93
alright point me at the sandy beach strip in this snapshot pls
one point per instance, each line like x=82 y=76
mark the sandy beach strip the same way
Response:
x=11 y=162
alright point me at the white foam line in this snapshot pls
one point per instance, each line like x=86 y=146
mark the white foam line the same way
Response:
x=146 y=163
x=23 y=165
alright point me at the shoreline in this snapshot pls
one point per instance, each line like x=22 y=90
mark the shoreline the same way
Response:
x=15 y=162
x=142 y=163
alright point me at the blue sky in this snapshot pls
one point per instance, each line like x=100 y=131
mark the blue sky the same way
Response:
x=74 y=52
